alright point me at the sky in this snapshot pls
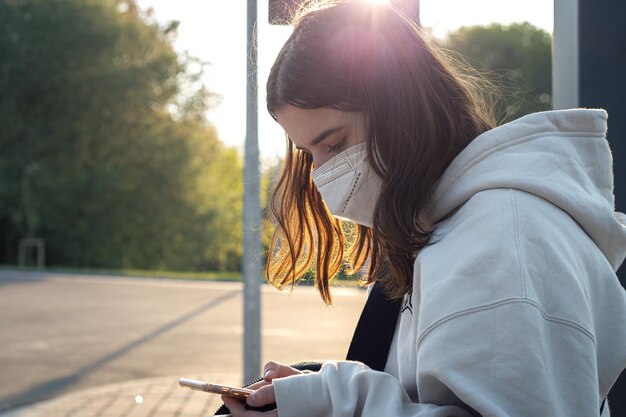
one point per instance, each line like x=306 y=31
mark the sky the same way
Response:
x=215 y=31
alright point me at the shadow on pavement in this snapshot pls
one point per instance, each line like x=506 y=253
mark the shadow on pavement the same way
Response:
x=49 y=389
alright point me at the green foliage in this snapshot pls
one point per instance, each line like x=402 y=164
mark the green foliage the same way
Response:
x=515 y=58
x=105 y=151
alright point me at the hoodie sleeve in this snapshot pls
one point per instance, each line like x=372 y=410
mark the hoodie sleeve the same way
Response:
x=346 y=389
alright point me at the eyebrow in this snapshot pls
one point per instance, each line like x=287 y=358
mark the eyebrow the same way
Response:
x=326 y=133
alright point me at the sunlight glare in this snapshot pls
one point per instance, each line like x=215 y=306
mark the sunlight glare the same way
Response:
x=376 y=2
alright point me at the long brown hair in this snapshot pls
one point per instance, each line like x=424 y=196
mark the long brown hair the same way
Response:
x=421 y=112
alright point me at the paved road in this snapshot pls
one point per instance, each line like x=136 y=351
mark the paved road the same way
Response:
x=62 y=333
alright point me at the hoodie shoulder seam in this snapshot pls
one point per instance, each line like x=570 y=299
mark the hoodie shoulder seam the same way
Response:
x=508 y=301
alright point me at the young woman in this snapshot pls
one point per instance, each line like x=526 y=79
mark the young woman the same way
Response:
x=502 y=241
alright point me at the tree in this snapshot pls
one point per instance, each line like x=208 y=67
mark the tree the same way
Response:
x=105 y=150
x=515 y=58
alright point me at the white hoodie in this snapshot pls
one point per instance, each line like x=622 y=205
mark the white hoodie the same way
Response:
x=516 y=309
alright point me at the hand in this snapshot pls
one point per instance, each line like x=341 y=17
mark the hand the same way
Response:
x=263 y=392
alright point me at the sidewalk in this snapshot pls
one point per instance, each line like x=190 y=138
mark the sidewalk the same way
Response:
x=152 y=397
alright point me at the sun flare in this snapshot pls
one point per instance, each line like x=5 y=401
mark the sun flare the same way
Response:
x=376 y=2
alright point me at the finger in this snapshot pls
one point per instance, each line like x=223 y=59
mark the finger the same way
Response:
x=257 y=385
x=263 y=396
x=235 y=406
x=273 y=370
x=237 y=409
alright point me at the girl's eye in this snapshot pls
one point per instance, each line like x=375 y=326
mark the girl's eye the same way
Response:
x=336 y=148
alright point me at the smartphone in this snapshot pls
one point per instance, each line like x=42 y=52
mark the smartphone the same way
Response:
x=214 y=388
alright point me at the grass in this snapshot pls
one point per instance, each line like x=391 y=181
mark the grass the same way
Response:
x=204 y=276
x=342 y=280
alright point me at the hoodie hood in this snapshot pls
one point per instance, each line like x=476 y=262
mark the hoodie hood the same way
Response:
x=561 y=156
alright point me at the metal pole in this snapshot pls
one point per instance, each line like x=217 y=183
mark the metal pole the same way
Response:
x=252 y=216
x=565 y=59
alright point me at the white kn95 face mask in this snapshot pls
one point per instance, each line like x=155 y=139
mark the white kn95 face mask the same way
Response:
x=349 y=186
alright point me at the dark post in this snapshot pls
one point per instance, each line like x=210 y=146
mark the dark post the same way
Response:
x=602 y=82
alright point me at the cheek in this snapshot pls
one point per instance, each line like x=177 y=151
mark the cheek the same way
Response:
x=317 y=162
